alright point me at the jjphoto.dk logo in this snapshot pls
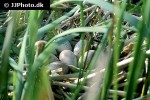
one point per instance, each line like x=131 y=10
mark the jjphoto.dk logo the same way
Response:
x=22 y=5
x=25 y=5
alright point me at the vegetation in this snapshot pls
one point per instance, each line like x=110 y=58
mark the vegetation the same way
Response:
x=112 y=61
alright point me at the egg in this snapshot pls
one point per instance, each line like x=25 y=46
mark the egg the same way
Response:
x=78 y=48
x=89 y=54
x=68 y=57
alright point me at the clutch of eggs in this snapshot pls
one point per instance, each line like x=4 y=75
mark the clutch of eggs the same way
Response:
x=68 y=57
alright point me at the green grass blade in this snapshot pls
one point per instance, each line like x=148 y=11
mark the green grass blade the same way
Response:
x=82 y=38
x=146 y=14
x=32 y=30
x=136 y=65
x=4 y=68
x=146 y=20
x=80 y=29
x=117 y=44
x=108 y=75
x=19 y=77
x=13 y=64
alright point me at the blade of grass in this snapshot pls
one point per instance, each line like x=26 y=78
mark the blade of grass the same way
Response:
x=76 y=30
x=14 y=65
x=136 y=65
x=117 y=44
x=139 y=56
x=108 y=75
x=82 y=38
x=146 y=20
x=4 y=68
x=32 y=30
x=18 y=81
x=146 y=14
